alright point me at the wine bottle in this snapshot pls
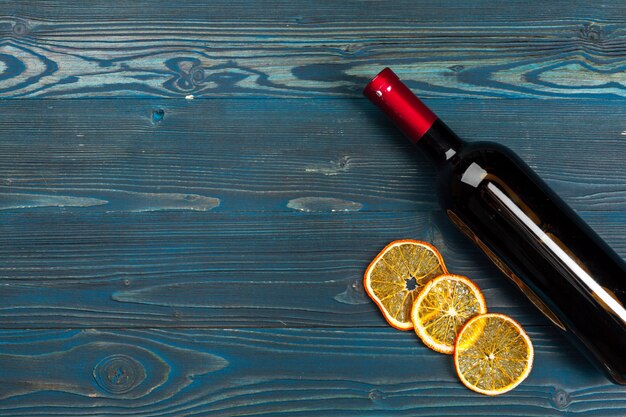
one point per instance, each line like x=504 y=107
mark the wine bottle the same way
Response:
x=523 y=227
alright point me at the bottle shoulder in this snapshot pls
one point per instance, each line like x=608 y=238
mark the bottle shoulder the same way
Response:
x=490 y=157
x=479 y=162
x=475 y=151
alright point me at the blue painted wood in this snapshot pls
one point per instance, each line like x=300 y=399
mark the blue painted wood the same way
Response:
x=292 y=372
x=185 y=257
x=222 y=270
x=286 y=155
x=571 y=49
x=113 y=219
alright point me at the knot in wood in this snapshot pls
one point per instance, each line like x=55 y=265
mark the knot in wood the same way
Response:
x=592 y=33
x=561 y=399
x=119 y=374
x=197 y=75
x=157 y=116
x=456 y=68
x=375 y=395
x=188 y=74
x=20 y=29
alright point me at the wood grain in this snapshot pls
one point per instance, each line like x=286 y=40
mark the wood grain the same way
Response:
x=306 y=372
x=261 y=155
x=199 y=269
x=117 y=213
x=195 y=247
x=151 y=49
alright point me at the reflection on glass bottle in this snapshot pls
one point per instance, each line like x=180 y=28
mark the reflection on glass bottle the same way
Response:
x=526 y=230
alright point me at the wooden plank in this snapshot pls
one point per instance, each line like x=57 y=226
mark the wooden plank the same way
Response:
x=197 y=269
x=115 y=214
x=290 y=372
x=241 y=228
x=154 y=48
x=285 y=155
x=287 y=11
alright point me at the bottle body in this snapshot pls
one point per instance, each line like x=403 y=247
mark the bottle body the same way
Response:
x=525 y=229
x=541 y=244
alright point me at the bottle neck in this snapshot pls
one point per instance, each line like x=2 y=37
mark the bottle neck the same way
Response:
x=440 y=143
x=415 y=120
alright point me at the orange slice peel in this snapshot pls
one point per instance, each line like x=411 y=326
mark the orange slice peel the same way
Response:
x=397 y=274
x=493 y=354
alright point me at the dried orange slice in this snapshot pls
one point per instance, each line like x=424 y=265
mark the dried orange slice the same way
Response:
x=397 y=274
x=493 y=354
x=443 y=306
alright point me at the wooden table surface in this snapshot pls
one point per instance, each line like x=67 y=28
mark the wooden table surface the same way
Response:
x=190 y=192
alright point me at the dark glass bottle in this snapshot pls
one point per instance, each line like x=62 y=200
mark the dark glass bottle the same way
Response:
x=526 y=230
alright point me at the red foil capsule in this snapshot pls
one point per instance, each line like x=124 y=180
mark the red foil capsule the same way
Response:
x=400 y=104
